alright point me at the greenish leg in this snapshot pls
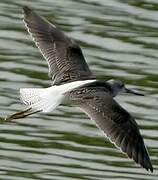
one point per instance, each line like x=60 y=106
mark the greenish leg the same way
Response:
x=21 y=114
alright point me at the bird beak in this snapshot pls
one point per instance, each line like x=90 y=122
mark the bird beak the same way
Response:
x=133 y=92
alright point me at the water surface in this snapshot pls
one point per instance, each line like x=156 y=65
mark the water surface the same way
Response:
x=119 y=40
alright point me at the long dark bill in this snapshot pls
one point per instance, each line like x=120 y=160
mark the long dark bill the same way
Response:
x=133 y=92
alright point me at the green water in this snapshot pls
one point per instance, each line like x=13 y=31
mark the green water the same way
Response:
x=119 y=39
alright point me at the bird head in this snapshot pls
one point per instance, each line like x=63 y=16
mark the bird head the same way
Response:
x=118 y=86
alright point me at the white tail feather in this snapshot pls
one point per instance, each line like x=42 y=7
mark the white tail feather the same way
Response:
x=44 y=100
x=30 y=95
x=47 y=99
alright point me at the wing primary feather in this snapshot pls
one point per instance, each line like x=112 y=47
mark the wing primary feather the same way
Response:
x=118 y=125
x=64 y=57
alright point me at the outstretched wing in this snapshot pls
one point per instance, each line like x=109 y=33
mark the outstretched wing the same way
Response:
x=64 y=56
x=118 y=125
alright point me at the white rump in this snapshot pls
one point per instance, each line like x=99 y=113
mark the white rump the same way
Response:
x=47 y=99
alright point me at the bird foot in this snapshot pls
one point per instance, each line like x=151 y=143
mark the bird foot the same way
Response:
x=19 y=115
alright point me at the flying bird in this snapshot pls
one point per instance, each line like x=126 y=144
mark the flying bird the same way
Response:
x=73 y=81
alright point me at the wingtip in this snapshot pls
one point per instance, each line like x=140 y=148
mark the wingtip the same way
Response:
x=148 y=166
x=151 y=168
x=147 y=162
x=26 y=10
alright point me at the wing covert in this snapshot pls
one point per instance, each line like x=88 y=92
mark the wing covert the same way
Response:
x=118 y=125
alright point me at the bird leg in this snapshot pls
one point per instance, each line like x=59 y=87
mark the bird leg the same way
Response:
x=21 y=114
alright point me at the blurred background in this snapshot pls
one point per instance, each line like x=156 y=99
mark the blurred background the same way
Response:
x=119 y=39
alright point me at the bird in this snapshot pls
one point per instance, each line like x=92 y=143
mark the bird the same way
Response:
x=73 y=81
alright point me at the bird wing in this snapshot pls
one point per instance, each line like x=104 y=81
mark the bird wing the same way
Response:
x=117 y=124
x=64 y=57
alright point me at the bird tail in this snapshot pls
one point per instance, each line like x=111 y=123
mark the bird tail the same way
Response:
x=47 y=99
x=41 y=99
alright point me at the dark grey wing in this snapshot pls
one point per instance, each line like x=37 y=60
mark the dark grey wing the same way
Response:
x=118 y=125
x=64 y=56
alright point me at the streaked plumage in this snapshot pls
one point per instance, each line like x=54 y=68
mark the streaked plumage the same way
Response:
x=118 y=125
x=66 y=65
x=65 y=59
